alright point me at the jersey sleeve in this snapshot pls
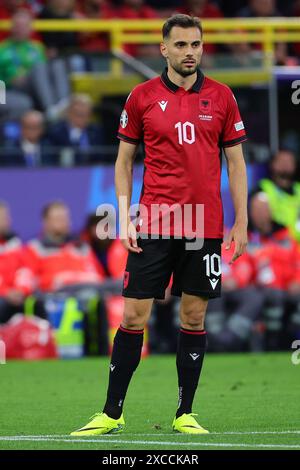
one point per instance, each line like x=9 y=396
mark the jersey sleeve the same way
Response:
x=131 y=125
x=233 y=131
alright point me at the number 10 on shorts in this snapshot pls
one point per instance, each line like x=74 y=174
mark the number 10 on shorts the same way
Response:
x=213 y=264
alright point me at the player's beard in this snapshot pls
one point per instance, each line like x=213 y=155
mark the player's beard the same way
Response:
x=184 y=72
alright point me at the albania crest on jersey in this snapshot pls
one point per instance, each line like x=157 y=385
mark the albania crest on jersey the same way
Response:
x=205 y=106
x=124 y=119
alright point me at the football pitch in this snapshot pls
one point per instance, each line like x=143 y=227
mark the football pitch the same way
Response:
x=247 y=401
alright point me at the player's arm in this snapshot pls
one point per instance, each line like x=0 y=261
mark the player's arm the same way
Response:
x=123 y=182
x=238 y=187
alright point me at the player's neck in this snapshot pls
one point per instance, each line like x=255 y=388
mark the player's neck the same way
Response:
x=184 y=82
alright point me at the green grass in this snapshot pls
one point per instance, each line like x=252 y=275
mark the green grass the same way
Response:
x=257 y=395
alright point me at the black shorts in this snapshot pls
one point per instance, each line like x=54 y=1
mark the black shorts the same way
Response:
x=195 y=272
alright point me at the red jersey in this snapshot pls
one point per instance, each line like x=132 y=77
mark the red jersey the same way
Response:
x=10 y=263
x=116 y=259
x=50 y=267
x=183 y=133
x=294 y=263
x=274 y=258
x=239 y=274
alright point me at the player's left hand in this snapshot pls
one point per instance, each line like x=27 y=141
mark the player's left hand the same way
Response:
x=238 y=235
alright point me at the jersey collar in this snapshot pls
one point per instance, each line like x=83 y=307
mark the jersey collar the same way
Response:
x=173 y=87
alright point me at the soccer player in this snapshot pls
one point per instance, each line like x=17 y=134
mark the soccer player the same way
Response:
x=184 y=120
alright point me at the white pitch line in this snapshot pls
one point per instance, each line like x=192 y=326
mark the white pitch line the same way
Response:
x=229 y=433
x=160 y=443
x=179 y=435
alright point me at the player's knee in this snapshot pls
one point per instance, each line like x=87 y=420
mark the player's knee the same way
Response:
x=134 y=321
x=193 y=319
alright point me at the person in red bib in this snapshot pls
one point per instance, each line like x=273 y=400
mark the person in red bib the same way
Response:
x=11 y=296
x=274 y=254
x=57 y=259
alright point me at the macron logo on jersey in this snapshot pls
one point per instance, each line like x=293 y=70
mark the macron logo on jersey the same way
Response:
x=163 y=105
x=239 y=126
x=194 y=356
x=214 y=283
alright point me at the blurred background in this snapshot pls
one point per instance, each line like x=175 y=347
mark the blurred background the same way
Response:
x=68 y=66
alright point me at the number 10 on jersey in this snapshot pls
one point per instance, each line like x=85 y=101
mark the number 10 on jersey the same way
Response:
x=186 y=132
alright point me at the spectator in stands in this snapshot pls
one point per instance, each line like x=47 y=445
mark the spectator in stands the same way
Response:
x=241 y=55
x=56 y=42
x=36 y=5
x=17 y=101
x=293 y=300
x=259 y=8
x=133 y=9
x=273 y=252
x=60 y=262
x=283 y=191
x=229 y=9
x=165 y=8
x=263 y=9
x=7 y=9
x=58 y=259
x=11 y=295
x=24 y=69
x=31 y=149
x=108 y=250
x=138 y=9
x=202 y=9
x=77 y=133
x=95 y=9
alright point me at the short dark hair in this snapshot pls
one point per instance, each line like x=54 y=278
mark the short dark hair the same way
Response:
x=52 y=205
x=183 y=21
x=93 y=219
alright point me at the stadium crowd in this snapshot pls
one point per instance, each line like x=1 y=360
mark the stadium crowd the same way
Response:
x=55 y=43
x=36 y=68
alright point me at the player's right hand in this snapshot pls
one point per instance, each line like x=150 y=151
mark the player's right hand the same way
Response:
x=130 y=243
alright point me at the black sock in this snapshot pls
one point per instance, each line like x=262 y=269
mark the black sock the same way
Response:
x=190 y=355
x=125 y=358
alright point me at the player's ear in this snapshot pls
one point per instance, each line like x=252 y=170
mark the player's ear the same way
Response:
x=163 y=50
